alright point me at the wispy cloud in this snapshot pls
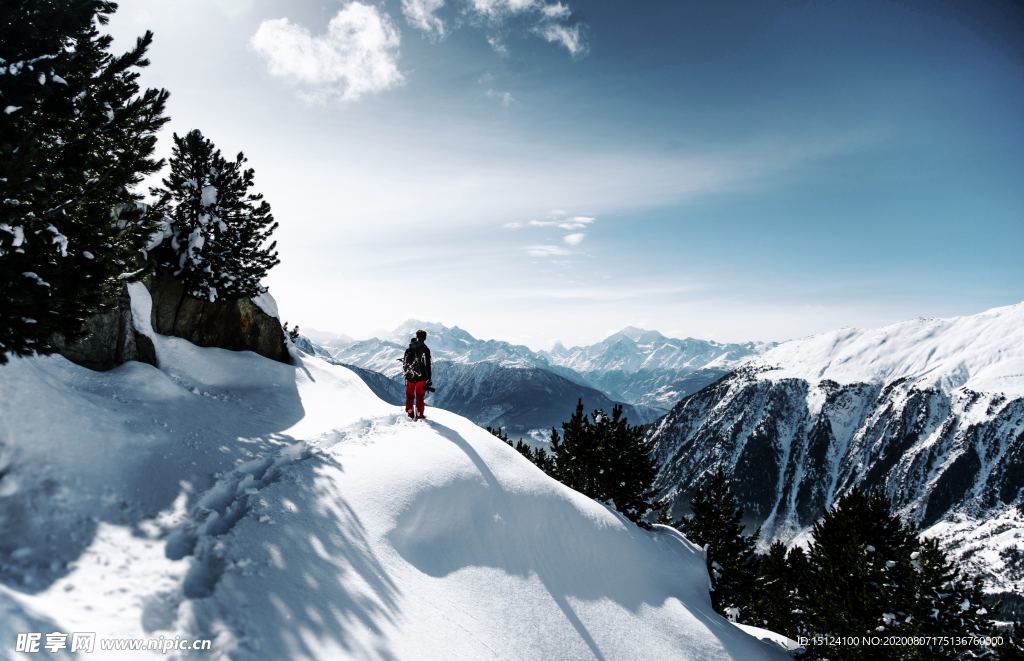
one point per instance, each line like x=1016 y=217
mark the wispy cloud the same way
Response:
x=558 y=219
x=422 y=14
x=498 y=44
x=575 y=223
x=504 y=97
x=357 y=55
x=497 y=8
x=546 y=250
x=569 y=36
x=556 y=10
x=551 y=21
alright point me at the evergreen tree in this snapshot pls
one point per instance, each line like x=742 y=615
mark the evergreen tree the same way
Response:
x=543 y=460
x=870 y=574
x=76 y=135
x=575 y=454
x=605 y=458
x=219 y=227
x=716 y=523
x=946 y=600
x=798 y=570
x=775 y=592
x=627 y=468
x=860 y=573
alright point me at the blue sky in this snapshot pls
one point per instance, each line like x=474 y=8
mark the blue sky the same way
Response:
x=535 y=170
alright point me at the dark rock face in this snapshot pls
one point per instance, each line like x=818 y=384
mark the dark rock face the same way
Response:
x=110 y=339
x=238 y=325
x=952 y=462
x=796 y=447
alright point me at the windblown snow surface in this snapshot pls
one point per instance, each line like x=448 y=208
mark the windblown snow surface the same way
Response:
x=286 y=512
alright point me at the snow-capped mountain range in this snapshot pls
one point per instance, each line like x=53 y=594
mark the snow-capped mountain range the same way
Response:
x=930 y=410
x=635 y=349
x=635 y=366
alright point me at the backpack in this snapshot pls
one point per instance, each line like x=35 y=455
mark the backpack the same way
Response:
x=415 y=364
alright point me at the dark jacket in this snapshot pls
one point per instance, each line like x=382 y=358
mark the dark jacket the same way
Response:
x=416 y=363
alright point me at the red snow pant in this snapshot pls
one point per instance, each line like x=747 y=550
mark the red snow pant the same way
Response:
x=417 y=390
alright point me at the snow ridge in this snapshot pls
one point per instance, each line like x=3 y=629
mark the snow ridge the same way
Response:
x=286 y=512
x=983 y=352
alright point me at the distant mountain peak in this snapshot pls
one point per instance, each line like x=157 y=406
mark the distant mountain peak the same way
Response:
x=637 y=334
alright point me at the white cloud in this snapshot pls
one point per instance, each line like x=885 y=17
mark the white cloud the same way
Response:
x=569 y=36
x=496 y=8
x=576 y=223
x=546 y=250
x=504 y=97
x=498 y=44
x=573 y=239
x=556 y=11
x=551 y=25
x=563 y=223
x=422 y=14
x=357 y=54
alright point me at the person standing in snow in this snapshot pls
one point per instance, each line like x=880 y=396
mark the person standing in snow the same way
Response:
x=416 y=365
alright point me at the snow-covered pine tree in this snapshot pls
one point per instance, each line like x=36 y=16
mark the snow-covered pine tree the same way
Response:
x=799 y=569
x=219 y=244
x=605 y=458
x=542 y=459
x=76 y=135
x=775 y=592
x=870 y=574
x=860 y=576
x=575 y=452
x=716 y=522
x=627 y=468
x=946 y=600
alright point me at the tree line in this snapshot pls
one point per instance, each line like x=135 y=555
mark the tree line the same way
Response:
x=77 y=138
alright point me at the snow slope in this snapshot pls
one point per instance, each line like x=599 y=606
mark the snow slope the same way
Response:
x=983 y=352
x=286 y=512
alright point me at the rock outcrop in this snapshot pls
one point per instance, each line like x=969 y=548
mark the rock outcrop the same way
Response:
x=240 y=325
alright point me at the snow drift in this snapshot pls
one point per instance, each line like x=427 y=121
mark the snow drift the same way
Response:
x=286 y=512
